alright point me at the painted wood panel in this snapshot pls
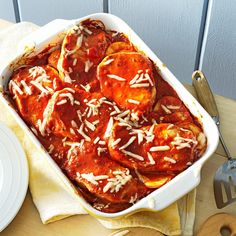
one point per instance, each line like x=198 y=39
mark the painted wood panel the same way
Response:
x=7 y=10
x=43 y=11
x=170 y=29
x=218 y=57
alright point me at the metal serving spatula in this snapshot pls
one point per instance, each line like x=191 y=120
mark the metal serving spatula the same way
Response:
x=225 y=177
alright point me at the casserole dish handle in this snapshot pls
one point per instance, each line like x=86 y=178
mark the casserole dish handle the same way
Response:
x=179 y=188
x=43 y=34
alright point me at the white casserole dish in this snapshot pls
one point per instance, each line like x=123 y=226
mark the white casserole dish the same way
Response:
x=170 y=192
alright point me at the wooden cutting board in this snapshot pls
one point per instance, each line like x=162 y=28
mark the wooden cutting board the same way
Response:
x=221 y=224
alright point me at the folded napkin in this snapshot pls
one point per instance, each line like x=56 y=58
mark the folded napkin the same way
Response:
x=52 y=198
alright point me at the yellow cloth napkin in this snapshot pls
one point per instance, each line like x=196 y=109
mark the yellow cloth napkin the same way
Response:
x=53 y=199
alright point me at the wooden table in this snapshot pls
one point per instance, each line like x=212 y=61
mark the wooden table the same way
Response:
x=27 y=221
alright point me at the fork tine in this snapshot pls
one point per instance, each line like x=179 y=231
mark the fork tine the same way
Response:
x=232 y=182
x=218 y=194
x=227 y=189
x=225 y=180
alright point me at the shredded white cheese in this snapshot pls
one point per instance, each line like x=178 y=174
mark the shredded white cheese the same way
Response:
x=143 y=85
x=96 y=140
x=100 y=150
x=16 y=87
x=116 y=77
x=108 y=62
x=67 y=78
x=69 y=95
x=39 y=86
x=90 y=125
x=159 y=148
x=170 y=126
x=63 y=101
x=79 y=41
x=109 y=128
x=123 y=114
x=72 y=131
x=26 y=87
x=116 y=142
x=134 y=79
x=101 y=142
x=172 y=107
x=87 y=65
x=116 y=183
x=74 y=62
x=150 y=158
x=36 y=70
x=87 y=31
x=86 y=87
x=93 y=179
x=136 y=156
x=130 y=141
x=149 y=79
x=171 y=160
x=81 y=132
x=50 y=148
x=74 y=125
x=133 y=101
x=77 y=102
x=165 y=109
x=70 y=90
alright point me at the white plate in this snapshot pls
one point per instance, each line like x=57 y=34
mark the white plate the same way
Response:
x=14 y=176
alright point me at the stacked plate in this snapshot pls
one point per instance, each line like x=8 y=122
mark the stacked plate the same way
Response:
x=13 y=176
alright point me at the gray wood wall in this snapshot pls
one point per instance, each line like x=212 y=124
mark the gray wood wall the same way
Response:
x=185 y=34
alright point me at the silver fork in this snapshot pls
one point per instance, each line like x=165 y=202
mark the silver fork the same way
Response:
x=225 y=177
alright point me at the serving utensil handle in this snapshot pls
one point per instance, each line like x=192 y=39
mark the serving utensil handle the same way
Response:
x=204 y=93
x=207 y=100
